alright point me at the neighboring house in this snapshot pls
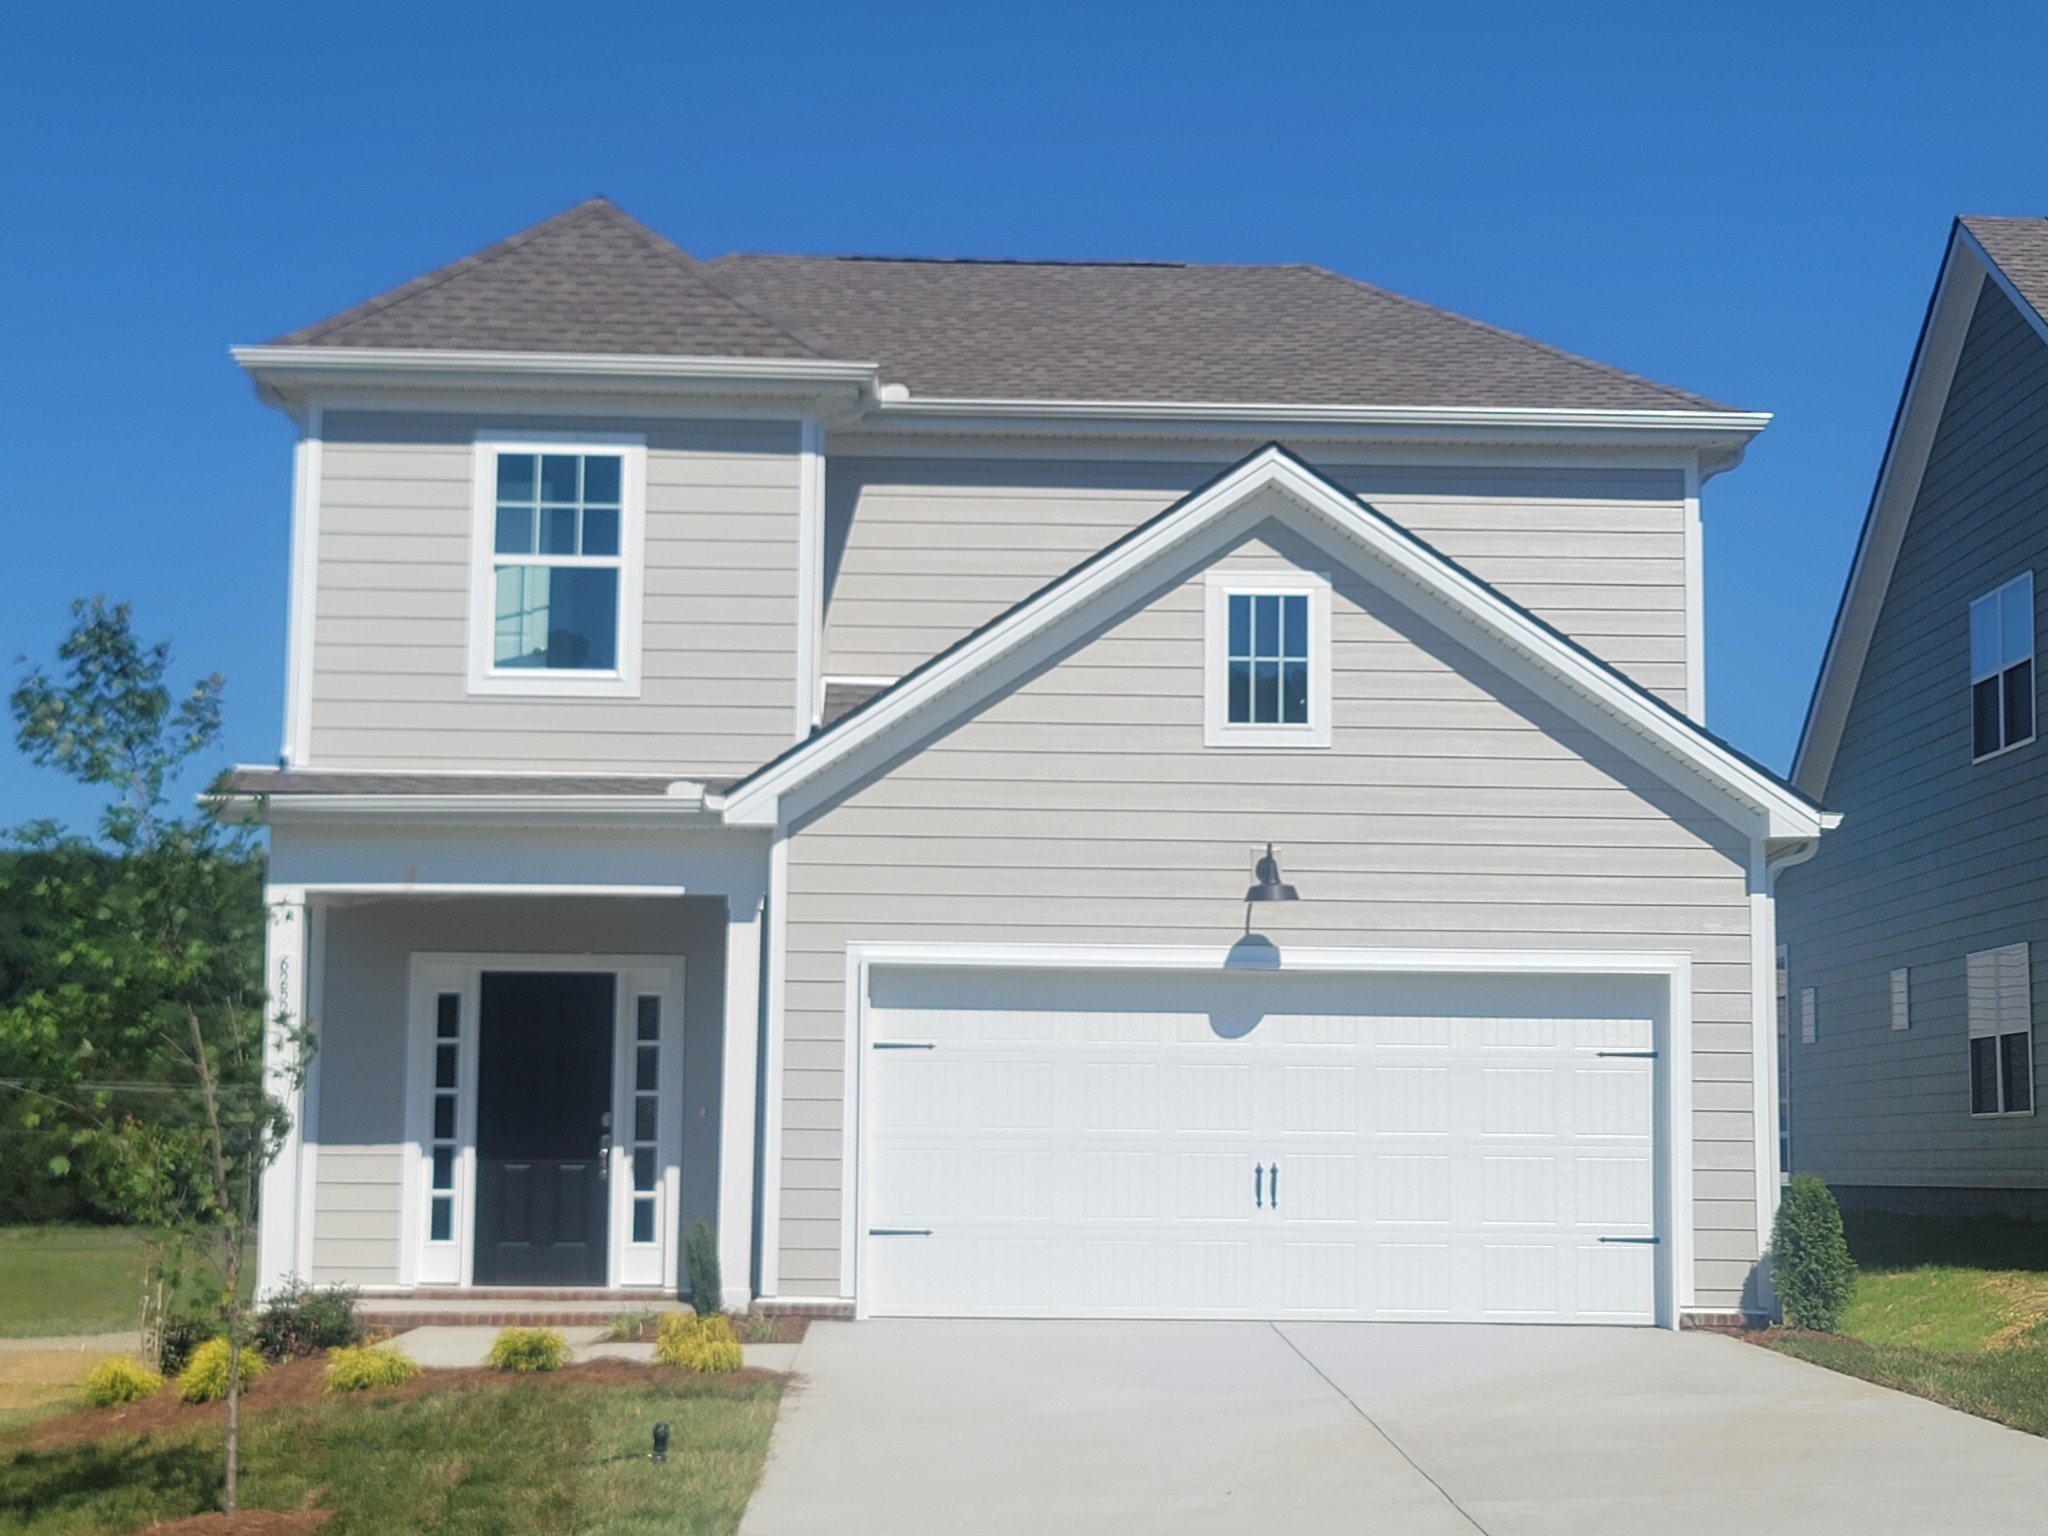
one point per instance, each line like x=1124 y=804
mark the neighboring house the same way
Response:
x=786 y=741
x=1917 y=939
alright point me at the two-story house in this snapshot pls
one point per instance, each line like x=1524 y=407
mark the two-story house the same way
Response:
x=795 y=742
x=1916 y=940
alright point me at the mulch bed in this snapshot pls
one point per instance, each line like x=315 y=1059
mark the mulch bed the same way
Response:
x=304 y=1381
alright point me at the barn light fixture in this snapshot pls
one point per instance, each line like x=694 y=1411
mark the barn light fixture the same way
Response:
x=1266 y=882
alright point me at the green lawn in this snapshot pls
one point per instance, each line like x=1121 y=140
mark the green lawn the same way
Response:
x=509 y=1457
x=71 y=1280
x=1951 y=1309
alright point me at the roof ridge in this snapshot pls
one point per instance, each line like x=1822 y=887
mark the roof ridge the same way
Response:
x=427 y=281
x=1606 y=370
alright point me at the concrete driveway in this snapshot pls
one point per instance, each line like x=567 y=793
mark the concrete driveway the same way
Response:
x=1072 y=1429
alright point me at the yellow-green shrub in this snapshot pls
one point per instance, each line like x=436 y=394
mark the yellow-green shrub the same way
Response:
x=205 y=1377
x=527 y=1350
x=120 y=1379
x=358 y=1367
x=698 y=1343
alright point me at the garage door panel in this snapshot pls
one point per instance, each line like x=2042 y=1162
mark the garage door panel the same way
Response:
x=1261 y=1158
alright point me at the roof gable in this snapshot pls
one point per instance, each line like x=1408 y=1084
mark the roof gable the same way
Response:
x=2012 y=256
x=589 y=280
x=1206 y=520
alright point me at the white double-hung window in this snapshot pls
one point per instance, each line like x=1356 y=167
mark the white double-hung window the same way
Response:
x=2002 y=667
x=1267 y=663
x=555 y=589
x=2001 y=998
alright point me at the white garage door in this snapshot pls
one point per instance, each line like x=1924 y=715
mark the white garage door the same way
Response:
x=1231 y=1145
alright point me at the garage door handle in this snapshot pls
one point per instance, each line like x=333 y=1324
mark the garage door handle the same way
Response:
x=1259 y=1185
x=1646 y=1241
x=899 y=1231
x=1273 y=1186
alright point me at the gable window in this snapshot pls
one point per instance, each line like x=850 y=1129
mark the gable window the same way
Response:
x=1267 y=667
x=556 y=594
x=2002 y=667
x=2001 y=996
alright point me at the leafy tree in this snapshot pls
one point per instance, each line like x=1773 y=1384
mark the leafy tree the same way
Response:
x=138 y=1030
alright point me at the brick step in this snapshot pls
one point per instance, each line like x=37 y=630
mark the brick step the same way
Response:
x=445 y=1315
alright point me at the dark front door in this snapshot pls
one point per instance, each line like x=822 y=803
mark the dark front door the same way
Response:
x=543 y=1122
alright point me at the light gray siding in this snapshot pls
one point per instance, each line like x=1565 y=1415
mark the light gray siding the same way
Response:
x=1936 y=856
x=920 y=551
x=1454 y=809
x=361 y=1019
x=391 y=635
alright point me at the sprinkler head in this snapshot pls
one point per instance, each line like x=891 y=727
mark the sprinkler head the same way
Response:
x=661 y=1442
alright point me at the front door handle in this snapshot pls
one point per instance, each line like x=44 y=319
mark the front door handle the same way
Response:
x=604 y=1159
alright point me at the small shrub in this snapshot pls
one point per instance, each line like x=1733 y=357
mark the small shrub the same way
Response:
x=182 y=1335
x=628 y=1326
x=1810 y=1264
x=698 y=1343
x=700 y=1264
x=299 y=1321
x=120 y=1379
x=358 y=1367
x=205 y=1377
x=758 y=1328
x=527 y=1350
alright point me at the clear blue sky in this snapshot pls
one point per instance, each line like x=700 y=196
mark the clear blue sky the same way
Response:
x=1745 y=201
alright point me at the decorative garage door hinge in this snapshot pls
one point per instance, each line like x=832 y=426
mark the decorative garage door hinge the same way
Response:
x=906 y=1045
x=899 y=1231
x=1649 y=1242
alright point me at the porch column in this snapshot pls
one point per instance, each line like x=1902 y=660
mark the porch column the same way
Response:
x=740 y=1066
x=285 y=952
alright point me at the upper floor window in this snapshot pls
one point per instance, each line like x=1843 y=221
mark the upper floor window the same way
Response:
x=556 y=594
x=1267 y=668
x=2002 y=667
x=2000 y=984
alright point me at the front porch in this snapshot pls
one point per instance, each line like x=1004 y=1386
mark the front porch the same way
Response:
x=536 y=1066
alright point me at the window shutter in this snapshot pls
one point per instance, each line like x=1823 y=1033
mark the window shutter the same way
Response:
x=1902 y=1002
x=1807 y=1031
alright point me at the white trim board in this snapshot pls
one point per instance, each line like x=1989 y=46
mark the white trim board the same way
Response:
x=308 y=465
x=1676 y=1278
x=1032 y=633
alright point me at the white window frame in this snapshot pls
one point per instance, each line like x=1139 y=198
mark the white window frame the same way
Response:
x=1997 y=595
x=628 y=1265
x=623 y=682
x=1999 y=986
x=1217 y=729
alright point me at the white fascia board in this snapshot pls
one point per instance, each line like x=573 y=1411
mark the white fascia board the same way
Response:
x=485 y=810
x=287 y=370
x=1683 y=751
x=1728 y=431
x=1947 y=323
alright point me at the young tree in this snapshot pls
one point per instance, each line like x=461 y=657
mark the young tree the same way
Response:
x=140 y=1031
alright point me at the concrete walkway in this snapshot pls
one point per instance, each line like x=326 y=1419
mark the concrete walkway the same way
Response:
x=1396 y=1429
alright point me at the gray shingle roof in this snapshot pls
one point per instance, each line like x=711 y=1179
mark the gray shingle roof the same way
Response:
x=2020 y=247
x=595 y=280
x=591 y=279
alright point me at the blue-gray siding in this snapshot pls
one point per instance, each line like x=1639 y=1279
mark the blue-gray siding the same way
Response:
x=1936 y=856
